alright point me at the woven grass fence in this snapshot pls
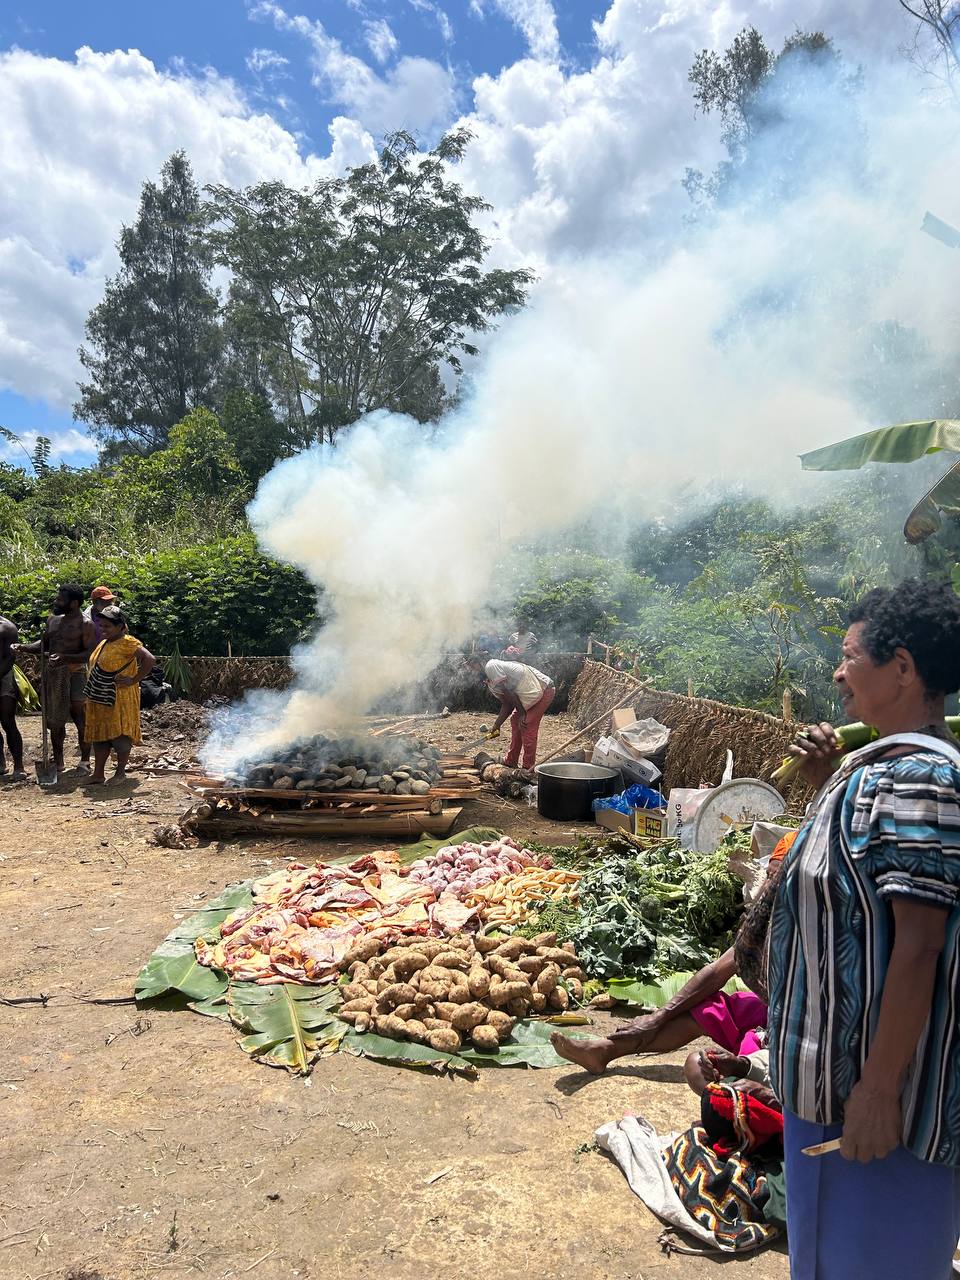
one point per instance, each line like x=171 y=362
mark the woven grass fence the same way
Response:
x=451 y=683
x=701 y=730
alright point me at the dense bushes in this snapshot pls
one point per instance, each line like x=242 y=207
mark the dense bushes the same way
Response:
x=198 y=597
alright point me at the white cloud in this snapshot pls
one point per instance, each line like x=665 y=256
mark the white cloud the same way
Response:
x=268 y=60
x=537 y=22
x=381 y=41
x=79 y=139
x=68 y=445
x=439 y=16
x=416 y=94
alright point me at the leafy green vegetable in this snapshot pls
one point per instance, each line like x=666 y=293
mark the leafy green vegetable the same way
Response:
x=653 y=910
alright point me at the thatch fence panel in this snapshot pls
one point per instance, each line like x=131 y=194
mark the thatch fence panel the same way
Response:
x=451 y=683
x=701 y=730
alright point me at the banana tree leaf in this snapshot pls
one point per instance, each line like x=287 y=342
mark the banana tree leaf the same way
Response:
x=173 y=966
x=528 y=1046
x=654 y=995
x=904 y=442
x=215 y=1007
x=288 y=1025
x=424 y=848
x=924 y=519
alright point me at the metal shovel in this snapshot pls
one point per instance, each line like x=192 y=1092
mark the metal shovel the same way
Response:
x=46 y=769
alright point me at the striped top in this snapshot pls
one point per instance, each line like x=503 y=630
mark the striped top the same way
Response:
x=878 y=830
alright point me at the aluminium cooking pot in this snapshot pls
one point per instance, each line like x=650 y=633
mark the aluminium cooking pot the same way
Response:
x=566 y=792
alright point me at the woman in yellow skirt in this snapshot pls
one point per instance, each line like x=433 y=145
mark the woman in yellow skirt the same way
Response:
x=112 y=707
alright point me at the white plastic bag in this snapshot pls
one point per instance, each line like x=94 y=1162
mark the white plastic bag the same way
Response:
x=682 y=806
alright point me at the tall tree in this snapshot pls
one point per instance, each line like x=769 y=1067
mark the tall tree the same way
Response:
x=937 y=39
x=154 y=340
x=785 y=117
x=356 y=293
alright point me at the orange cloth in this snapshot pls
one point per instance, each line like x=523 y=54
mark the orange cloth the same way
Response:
x=783 y=845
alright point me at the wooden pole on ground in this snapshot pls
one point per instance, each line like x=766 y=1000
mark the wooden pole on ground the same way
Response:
x=689 y=686
x=787 y=706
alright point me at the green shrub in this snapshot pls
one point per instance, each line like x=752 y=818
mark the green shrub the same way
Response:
x=197 y=597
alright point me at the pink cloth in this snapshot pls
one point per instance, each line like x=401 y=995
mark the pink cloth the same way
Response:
x=731 y=1021
x=525 y=735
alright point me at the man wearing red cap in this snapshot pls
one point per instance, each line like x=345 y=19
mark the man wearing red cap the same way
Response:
x=100 y=597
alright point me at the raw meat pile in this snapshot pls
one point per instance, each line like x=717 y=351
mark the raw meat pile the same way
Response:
x=304 y=920
x=460 y=869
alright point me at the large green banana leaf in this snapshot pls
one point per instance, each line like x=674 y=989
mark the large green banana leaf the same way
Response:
x=287 y=1025
x=654 y=995
x=529 y=1046
x=173 y=966
x=905 y=442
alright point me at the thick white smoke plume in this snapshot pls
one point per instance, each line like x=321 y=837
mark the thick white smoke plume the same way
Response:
x=749 y=342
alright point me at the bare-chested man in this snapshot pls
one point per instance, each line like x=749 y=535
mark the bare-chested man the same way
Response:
x=67 y=642
x=8 y=703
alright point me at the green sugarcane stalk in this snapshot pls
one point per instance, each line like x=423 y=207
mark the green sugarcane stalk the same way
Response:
x=852 y=737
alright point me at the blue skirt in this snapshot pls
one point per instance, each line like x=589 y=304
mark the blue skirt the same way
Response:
x=892 y=1219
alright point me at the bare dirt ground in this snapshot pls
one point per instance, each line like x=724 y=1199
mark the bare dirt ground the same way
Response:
x=145 y=1144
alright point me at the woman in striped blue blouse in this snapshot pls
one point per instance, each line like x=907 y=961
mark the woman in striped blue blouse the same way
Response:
x=864 y=960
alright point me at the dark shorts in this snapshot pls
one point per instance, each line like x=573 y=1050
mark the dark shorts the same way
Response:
x=78 y=682
x=8 y=686
x=121 y=743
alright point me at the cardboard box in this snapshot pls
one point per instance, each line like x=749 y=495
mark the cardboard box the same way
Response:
x=614 y=820
x=622 y=717
x=649 y=824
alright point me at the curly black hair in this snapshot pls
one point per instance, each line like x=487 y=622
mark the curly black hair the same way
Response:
x=70 y=591
x=920 y=616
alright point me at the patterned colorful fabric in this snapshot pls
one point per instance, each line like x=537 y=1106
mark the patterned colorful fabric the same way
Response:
x=725 y=1195
x=737 y=1119
x=880 y=829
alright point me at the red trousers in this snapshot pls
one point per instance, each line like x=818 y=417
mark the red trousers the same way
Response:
x=525 y=735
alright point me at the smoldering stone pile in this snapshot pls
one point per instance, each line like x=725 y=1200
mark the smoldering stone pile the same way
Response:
x=400 y=766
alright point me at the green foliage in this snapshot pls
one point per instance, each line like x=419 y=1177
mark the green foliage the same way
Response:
x=655 y=912
x=773 y=118
x=196 y=597
x=570 y=595
x=154 y=340
x=353 y=294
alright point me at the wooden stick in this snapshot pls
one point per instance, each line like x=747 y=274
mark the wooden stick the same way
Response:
x=632 y=693
x=787 y=706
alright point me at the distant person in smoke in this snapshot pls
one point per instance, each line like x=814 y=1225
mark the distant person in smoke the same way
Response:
x=522 y=641
x=8 y=702
x=100 y=598
x=524 y=694
x=66 y=644
x=118 y=665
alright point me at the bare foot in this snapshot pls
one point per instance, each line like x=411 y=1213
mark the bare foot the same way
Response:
x=593 y=1055
x=120 y=775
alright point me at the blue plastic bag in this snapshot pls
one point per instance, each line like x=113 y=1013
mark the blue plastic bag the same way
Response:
x=635 y=797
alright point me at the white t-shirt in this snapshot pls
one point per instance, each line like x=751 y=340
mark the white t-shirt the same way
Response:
x=526 y=682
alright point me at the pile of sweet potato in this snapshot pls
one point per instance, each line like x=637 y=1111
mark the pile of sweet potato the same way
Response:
x=444 y=992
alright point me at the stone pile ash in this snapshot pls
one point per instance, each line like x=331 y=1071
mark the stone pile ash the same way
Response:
x=394 y=766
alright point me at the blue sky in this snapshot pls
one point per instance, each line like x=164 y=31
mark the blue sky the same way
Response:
x=581 y=108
